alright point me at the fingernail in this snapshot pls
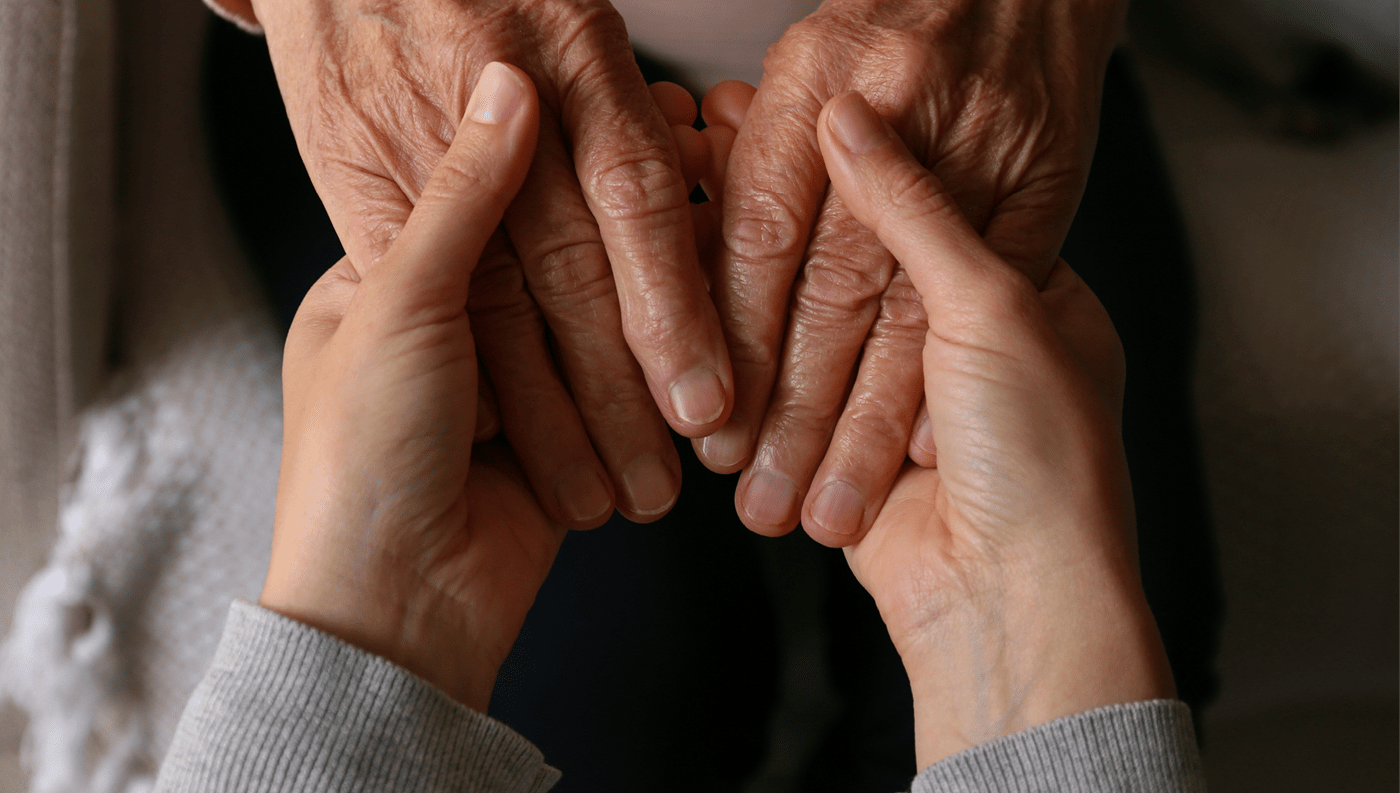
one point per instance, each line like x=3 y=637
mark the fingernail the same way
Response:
x=839 y=508
x=770 y=498
x=727 y=448
x=855 y=124
x=498 y=95
x=648 y=485
x=581 y=493
x=697 y=396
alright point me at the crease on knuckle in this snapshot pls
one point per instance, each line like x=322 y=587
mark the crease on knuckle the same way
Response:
x=913 y=196
x=873 y=420
x=640 y=185
x=834 y=292
x=776 y=234
x=571 y=271
x=902 y=310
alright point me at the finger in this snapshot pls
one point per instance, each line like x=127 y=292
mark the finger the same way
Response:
x=537 y=415
x=727 y=104
x=630 y=172
x=921 y=447
x=725 y=108
x=694 y=150
x=835 y=301
x=488 y=412
x=914 y=217
x=462 y=204
x=868 y=446
x=719 y=142
x=567 y=269
x=774 y=188
x=676 y=104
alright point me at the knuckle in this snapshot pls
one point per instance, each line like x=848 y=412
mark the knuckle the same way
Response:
x=838 y=286
x=875 y=420
x=774 y=232
x=902 y=309
x=471 y=172
x=571 y=272
x=637 y=186
x=915 y=195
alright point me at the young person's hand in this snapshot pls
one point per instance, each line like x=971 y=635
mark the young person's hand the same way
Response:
x=1003 y=562
x=392 y=531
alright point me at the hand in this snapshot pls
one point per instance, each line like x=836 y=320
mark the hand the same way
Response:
x=392 y=531
x=600 y=233
x=1000 y=97
x=1005 y=567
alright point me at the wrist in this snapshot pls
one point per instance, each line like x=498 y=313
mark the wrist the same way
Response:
x=1050 y=644
x=369 y=608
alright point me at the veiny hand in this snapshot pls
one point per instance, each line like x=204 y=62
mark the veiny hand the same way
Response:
x=392 y=531
x=1005 y=569
x=1000 y=98
x=600 y=233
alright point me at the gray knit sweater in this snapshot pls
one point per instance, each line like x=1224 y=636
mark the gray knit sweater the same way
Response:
x=285 y=707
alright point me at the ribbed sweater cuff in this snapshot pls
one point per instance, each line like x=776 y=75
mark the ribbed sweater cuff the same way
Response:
x=285 y=707
x=1139 y=747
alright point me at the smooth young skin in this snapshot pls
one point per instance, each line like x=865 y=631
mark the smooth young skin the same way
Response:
x=393 y=532
x=1006 y=570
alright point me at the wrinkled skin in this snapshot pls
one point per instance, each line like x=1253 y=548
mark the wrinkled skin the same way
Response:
x=1004 y=566
x=1000 y=99
x=599 y=244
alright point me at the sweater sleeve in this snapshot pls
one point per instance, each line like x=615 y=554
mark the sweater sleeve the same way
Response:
x=285 y=707
x=1141 y=747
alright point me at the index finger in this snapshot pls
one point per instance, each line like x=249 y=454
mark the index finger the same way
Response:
x=775 y=183
x=629 y=169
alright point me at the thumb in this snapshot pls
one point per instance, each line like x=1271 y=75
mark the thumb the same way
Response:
x=916 y=219
x=429 y=266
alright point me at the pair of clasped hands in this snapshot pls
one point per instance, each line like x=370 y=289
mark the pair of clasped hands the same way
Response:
x=1002 y=561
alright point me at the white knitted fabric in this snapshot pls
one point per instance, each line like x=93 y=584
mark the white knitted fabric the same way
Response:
x=167 y=514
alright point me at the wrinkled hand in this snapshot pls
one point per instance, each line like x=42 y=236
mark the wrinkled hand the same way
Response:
x=1000 y=98
x=393 y=532
x=600 y=233
x=1004 y=567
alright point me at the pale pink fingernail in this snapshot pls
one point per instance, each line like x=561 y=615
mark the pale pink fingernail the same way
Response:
x=728 y=448
x=648 y=486
x=697 y=396
x=856 y=125
x=770 y=498
x=498 y=95
x=581 y=493
x=839 y=508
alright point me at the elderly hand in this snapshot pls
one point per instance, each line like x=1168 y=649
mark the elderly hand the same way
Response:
x=393 y=532
x=600 y=233
x=1005 y=569
x=1000 y=98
